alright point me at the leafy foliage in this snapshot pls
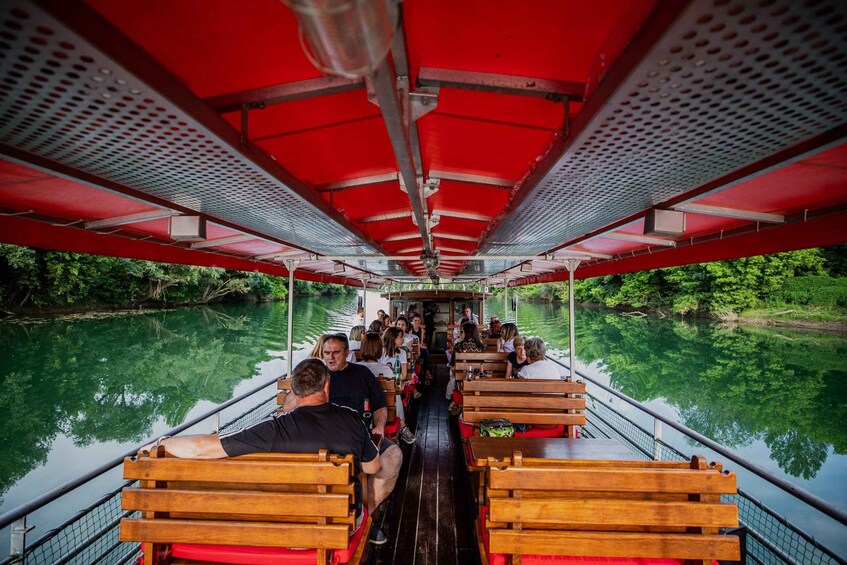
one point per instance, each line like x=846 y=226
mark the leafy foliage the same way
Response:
x=34 y=278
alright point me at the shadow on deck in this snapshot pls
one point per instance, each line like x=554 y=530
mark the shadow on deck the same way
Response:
x=429 y=518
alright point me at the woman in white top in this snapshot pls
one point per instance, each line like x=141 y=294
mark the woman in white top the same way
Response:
x=508 y=332
x=539 y=367
x=355 y=342
x=371 y=352
x=392 y=347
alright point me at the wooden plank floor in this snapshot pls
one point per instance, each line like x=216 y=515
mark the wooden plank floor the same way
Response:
x=429 y=518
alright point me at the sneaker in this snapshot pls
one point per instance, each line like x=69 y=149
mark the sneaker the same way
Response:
x=454 y=409
x=407 y=436
x=377 y=537
x=416 y=394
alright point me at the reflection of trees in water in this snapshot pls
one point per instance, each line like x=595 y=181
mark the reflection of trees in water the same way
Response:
x=736 y=385
x=112 y=379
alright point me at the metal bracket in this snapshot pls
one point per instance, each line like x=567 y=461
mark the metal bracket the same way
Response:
x=245 y=119
x=17 y=548
x=427 y=188
x=422 y=102
x=371 y=90
x=432 y=220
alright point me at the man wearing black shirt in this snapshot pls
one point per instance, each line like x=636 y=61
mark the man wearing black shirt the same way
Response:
x=350 y=384
x=315 y=424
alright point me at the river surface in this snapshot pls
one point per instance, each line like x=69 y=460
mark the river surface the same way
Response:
x=77 y=393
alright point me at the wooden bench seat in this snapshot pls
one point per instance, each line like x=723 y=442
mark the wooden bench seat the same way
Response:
x=526 y=401
x=491 y=361
x=244 y=505
x=607 y=509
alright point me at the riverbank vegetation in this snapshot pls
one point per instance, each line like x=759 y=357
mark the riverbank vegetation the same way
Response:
x=39 y=280
x=809 y=285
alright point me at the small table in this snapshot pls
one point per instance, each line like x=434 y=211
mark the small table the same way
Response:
x=547 y=448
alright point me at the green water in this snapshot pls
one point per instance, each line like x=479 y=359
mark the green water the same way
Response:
x=77 y=393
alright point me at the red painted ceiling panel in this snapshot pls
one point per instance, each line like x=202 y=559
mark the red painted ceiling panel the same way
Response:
x=452 y=143
x=365 y=201
x=342 y=152
x=476 y=198
x=215 y=46
x=543 y=38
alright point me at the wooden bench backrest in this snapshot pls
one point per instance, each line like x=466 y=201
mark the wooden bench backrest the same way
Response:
x=491 y=360
x=526 y=401
x=611 y=509
x=387 y=387
x=490 y=344
x=390 y=397
x=269 y=500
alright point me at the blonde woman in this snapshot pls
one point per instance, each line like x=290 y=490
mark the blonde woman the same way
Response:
x=318 y=350
x=356 y=335
x=508 y=332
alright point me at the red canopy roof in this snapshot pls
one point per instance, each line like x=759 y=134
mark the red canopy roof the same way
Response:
x=556 y=127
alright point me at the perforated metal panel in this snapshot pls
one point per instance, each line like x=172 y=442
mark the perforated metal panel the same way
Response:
x=63 y=100
x=729 y=83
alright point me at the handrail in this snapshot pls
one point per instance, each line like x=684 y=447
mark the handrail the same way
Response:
x=51 y=495
x=812 y=500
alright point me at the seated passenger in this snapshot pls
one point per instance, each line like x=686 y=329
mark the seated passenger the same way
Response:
x=371 y=353
x=355 y=342
x=507 y=335
x=393 y=352
x=470 y=342
x=315 y=425
x=457 y=331
x=494 y=327
x=376 y=326
x=318 y=350
x=419 y=332
x=466 y=312
x=516 y=360
x=403 y=324
x=350 y=385
x=539 y=367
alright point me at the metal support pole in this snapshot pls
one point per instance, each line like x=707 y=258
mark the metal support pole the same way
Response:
x=505 y=300
x=217 y=422
x=18 y=545
x=365 y=301
x=292 y=266
x=657 y=435
x=571 y=265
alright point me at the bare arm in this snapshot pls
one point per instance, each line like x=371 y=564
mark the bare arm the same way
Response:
x=380 y=416
x=206 y=446
x=508 y=369
x=371 y=467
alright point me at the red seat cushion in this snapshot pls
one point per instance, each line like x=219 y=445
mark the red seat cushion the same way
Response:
x=457 y=397
x=500 y=558
x=248 y=555
x=535 y=431
x=465 y=429
x=392 y=428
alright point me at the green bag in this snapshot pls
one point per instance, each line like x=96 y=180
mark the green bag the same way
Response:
x=498 y=427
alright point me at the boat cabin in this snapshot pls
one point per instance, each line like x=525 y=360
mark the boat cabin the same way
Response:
x=440 y=310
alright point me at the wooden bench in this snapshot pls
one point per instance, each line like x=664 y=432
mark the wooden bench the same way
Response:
x=610 y=509
x=492 y=361
x=526 y=401
x=258 y=504
x=490 y=344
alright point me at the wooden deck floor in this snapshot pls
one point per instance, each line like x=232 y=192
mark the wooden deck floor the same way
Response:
x=429 y=518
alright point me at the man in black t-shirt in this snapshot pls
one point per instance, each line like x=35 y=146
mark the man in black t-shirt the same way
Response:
x=315 y=424
x=350 y=384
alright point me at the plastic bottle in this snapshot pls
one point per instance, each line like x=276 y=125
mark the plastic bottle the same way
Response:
x=367 y=416
x=398 y=371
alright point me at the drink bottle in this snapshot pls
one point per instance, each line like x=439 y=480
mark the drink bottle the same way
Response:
x=367 y=417
x=398 y=372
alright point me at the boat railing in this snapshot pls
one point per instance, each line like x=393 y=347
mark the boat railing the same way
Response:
x=771 y=538
x=92 y=533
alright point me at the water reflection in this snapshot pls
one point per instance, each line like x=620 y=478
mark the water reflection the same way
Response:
x=111 y=379
x=734 y=384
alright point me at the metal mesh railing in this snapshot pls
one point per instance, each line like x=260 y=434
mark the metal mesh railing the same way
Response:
x=771 y=538
x=91 y=535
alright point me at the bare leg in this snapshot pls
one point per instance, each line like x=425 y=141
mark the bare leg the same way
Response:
x=382 y=483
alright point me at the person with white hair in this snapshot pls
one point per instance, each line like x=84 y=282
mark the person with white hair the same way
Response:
x=539 y=367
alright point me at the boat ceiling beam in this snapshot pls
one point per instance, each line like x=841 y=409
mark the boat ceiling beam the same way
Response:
x=353 y=183
x=730 y=213
x=555 y=90
x=286 y=92
x=472 y=179
x=129 y=219
x=647 y=239
x=222 y=241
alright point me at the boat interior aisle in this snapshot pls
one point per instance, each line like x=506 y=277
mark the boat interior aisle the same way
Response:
x=430 y=517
